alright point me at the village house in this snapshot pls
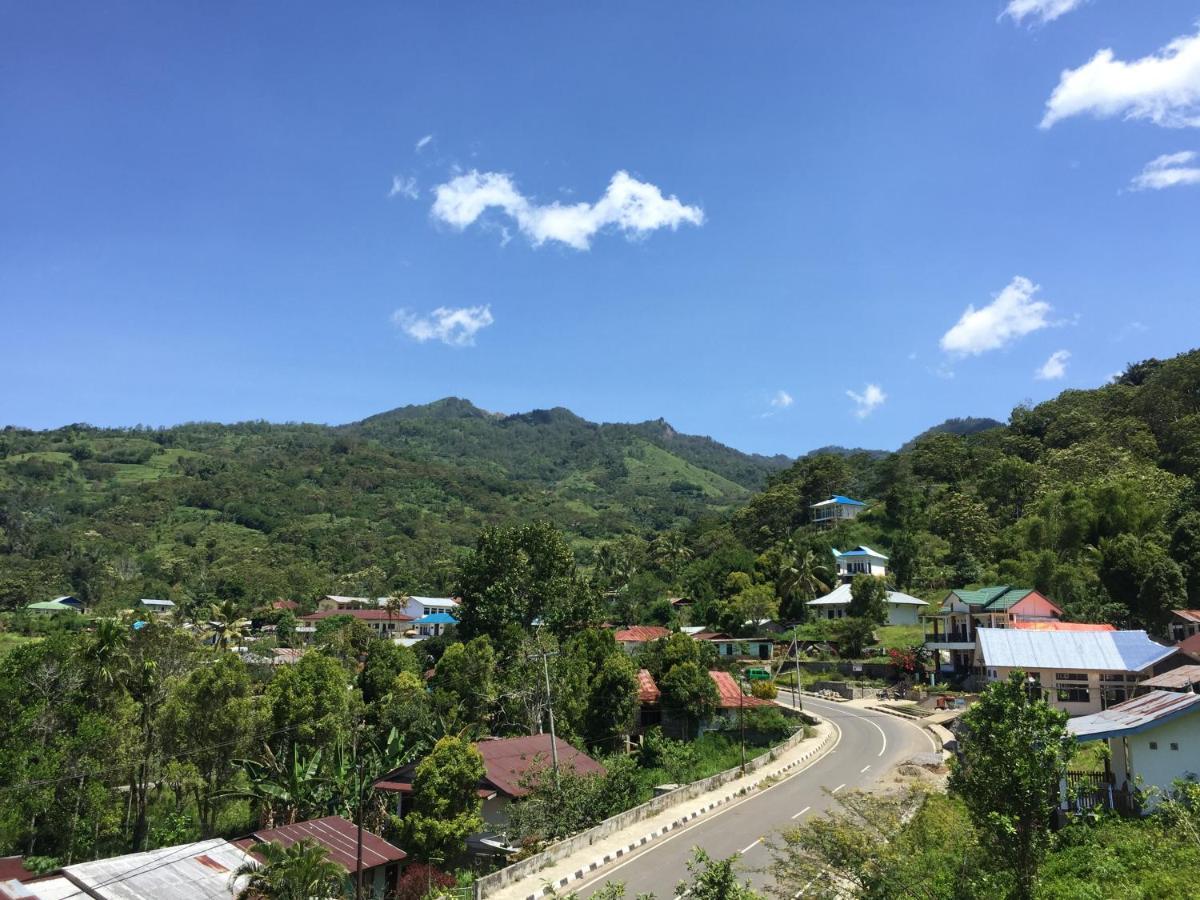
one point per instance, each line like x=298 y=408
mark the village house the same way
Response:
x=332 y=602
x=156 y=607
x=380 y=859
x=860 y=560
x=1185 y=623
x=837 y=509
x=512 y=767
x=419 y=607
x=634 y=637
x=731 y=701
x=430 y=625
x=902 y=609
x=1080 y=672
x=727 y=647
x=1153 y=739
x=64 y=604
x=950 y=629
x=384 y=623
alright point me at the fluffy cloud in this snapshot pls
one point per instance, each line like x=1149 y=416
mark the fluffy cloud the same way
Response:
x=423 y=143
x=1053 y=368
x=868 y=401
x=404 y=187
x=782 y=400
x=1040 y=11
x=1163 y=87
x=1168 y=170
x=455 y=327
x=628 y=205
x=1013 y=314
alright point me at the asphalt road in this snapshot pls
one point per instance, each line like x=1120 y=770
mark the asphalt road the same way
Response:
x=869 y=745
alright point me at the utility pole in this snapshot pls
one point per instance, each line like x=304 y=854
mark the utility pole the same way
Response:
x=358 y=819
x=550 y=707
x=742 y=724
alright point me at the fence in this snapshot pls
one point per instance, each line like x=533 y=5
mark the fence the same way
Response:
x=1087 y=791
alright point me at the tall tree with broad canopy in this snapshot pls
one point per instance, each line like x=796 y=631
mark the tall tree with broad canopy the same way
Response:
x=868 y=598
x=1013 y=753
x=446 y=807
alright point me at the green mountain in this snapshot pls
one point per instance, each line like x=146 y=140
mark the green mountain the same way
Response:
x=256 y=511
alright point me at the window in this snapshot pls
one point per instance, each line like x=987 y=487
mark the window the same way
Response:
x=1154 y=745
x=1174 y=746
x=1070 y=693
x=1071 y=676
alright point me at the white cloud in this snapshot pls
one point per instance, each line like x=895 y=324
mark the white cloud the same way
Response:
x=868 y=401
x=423 y=143
x=782 y=399
x=1168 y=170
x=1013 y=314
x=1163 y=87
x=628 y=205
x=1054 y=367
x=455 y=327
x=404 y=187
x=1041 y=11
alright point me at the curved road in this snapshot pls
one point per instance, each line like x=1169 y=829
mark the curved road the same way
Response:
x=869 y=745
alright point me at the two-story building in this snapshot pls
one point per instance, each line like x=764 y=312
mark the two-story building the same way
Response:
x=861 y=560
x=1080 y=672
x=383 y=622
x=950 y=629
x=836 y=509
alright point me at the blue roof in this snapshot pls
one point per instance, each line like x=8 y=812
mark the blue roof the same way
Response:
x=859 y=551
x=438 y=618
x=1135 y=716
x=848 y=500
x=1111 y=651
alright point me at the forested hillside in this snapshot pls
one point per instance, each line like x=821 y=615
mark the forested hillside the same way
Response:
x=1091 y=498
x=255 y=511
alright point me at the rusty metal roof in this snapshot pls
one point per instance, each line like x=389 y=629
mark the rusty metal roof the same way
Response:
x=339 y=837
x=641 y=633
x=1176 y=679
x=1188 y=615
x=730 y=693
x=648 y=691
x=1132 y=716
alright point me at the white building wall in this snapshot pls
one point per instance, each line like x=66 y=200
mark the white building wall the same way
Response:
x=1176 y=753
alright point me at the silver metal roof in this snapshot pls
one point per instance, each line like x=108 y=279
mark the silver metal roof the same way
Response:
x=840 y=596
x=199 y=871
x=1104 y=651
x=1138 y=714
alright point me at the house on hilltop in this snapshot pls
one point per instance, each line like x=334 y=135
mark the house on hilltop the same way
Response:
x=860 y=560
x=902 y=609
x=837 y=509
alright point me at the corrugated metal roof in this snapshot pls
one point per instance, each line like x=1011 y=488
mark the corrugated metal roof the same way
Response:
x=1062 y=626
x=440 y=602
x=366 y=615
x=509 y=761
x=1176 y=679
x=861 y=550
x=437 y=618
x=730 y=693
x=641 y=633
x=840 y=595
x=1104 y=651
x=186 y=872
x=1132 y=716
x=339 y=837
x=839 y=499
x=648 y=691
x=150 y=601
x=998 y=598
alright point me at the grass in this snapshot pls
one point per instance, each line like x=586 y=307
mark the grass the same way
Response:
x=653 y=465
x=900 y=636
x=1089 y=757
x=10 y=642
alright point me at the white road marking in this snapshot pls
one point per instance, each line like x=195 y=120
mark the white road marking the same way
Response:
x=836 y=789
x=700 y=820
x=802 y=812
x=864 y=769
x=881 y=734
x=751 y=847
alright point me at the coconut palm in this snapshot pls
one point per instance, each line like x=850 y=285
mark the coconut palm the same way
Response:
x=302 y=871
x=104 y=654
x=800 y=575
x=226 y=627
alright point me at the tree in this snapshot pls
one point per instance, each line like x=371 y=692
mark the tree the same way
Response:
x=752 y=606
x=211 y=716
x=688 y=690
x=385 y=660
x=868 y=599
x=226 y=627
x=799 y=576
x=905 y=561
x=852 y=635
x=300 y=871
x=612 y=701
x=446 y=805
x=1013 y=753
x=463 y=684
x=310 y=703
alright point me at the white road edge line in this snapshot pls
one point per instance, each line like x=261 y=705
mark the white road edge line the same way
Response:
x=838 y=788
x=881 y=734
x=802 y=812
x=654 y=845
x=751 y=847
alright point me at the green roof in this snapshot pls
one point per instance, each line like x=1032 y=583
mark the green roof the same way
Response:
x=993 y=598
x=53 y=606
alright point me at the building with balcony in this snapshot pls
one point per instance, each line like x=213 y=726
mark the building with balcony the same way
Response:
x=861 y=560
x=950 y=629
x=836 y=509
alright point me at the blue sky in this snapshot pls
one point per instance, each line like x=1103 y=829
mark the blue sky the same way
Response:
x=195 y=220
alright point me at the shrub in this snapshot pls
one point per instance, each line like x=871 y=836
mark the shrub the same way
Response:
x=421 y=880
x=764 y=690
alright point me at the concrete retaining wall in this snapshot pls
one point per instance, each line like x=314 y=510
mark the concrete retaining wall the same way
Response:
x=530 y=866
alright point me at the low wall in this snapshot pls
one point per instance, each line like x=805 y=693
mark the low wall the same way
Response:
x=552 y=854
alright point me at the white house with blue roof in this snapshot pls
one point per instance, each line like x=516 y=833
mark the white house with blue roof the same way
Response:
x=836 y=509
x=860 y=560
x=1080 y=672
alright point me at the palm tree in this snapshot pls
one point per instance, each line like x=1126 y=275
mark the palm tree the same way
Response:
x=671 y=552
x=800 y=575
x=302 y=871
x=225 y=626
x=105 y=652
x=283 y=790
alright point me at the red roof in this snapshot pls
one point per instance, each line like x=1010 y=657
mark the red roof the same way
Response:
x=1062 y=626
x=506 y=763
x=731 y=696
x=1188 y=615
x=285 y=604
x=1190 y=646
x=12 y=868
x=641 y=634
x=366 y=615
x=711 y=636
x=648 y=691
x=337 y=836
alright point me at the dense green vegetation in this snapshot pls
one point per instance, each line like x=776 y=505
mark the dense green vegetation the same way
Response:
x=253 y=512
